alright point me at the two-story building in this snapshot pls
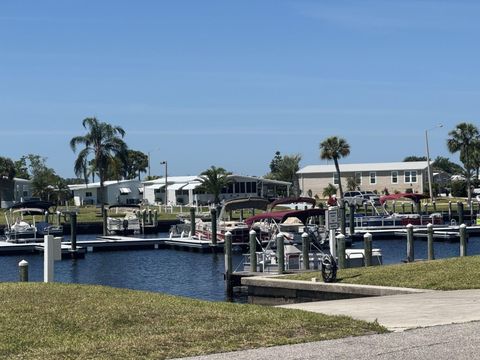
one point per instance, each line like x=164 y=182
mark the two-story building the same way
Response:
x=395 y=177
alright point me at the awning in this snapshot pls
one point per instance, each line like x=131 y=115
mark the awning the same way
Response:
x=125 y=191
x=176 y=186
x=155 y=186
x=192 y=186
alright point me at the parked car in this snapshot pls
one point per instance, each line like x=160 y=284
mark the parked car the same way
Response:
x=358 y=198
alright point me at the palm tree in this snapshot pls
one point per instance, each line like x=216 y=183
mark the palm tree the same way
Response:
x=330 y=190
x=102 y=141
x=465 y=139
x=334 y=148
x=214 y=180
x=285 y=169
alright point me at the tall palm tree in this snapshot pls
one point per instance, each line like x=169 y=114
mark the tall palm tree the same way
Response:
x=334 y=148
x=102 y=141
x=465 y=139
x=214 y=180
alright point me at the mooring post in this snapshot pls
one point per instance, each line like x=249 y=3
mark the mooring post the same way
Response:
x=343 y=219
x=460 y=212
x=352 y=219
x=155 y=217
x=73 y=230
x=52 y=251
x=59 y=215
x=410 y=250
x=150 y=218
x=449 y=211
x=411 y=208
x=104 y=220
x=23 y=270
x=144 y=219
x=281 y=253
x=434 y=206
x=367 y=248
x=253 y=250
x=426 y=208
x=418 y=208
x=403 y=207
x=463 y=240
x=46 y=216
x=365 y=207
x=431 y=255
x=213 y=213
x=228 y=263
x=192 y=221
x=394 y=206
x=305 y=251
x=341 y=251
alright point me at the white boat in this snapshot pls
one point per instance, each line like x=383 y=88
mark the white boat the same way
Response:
x=123 y=219
x=30 y=221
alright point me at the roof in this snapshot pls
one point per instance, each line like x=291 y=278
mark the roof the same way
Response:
x=404 y=165
x=176 y=186
x=97 y=184
x=155 y=186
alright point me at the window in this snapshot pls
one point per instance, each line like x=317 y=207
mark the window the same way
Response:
x=242 y=187
x=254 y=187
x=410 y=176
x=373 y=178
x=88 y=194
x=358 y=178
x=394 y=177
x=249 y=187
x=335 y=178
x=237 y=188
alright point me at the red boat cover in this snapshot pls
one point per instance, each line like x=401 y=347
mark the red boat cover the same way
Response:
x=411 y=196
x=281 y=216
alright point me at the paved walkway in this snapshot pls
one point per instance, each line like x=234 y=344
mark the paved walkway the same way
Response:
x=401 y=312
x=441 y=324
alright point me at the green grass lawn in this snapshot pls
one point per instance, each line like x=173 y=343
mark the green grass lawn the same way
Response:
x=448 y=274
x=46 y=321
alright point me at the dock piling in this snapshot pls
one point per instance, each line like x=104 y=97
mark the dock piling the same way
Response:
x=253 y=247
x=460 y=212
x=394 y=208
x=228 y=263
x=367 y=246
x=192 y=221
x=352 y=219
x=305 y=251
x=213 y=212
x=73 y=230
x=23 y=270
x=341 y=251
x=104 y=221
x=463 y=240
x=281 y=253
x=410 y=249
x=431 y=255
x=449 y=211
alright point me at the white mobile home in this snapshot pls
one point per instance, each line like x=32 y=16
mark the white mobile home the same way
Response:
x=117 y=192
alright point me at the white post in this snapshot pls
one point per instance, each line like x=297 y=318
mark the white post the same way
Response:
x=52 y=251
x=333 y=249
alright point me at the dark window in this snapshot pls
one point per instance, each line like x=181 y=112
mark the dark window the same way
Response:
x=254 y=187
x=88 y=194
x=249 y=187
x=237 y=188
x=242 y=187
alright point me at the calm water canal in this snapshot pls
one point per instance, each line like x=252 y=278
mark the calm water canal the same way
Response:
x=179 y=272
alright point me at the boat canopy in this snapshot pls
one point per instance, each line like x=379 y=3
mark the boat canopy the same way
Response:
x=34 y=204
x=292 y=200
x=246 y=203
x=411 y=196
x=281 y=216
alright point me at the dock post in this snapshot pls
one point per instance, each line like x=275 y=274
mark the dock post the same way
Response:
x=418 y=208
x=213 y=212
x=410 y=250
x=403 y=207
x=23 y=270
x=343 y=219
x=150 y=219
x=411 y=208
x=431 y=255
x=52 y=251
x=144 y=219
x=306 y=251
x=73 y=231
x=281 y=253
x=352 y=219
x=59 y=214
x=394 y=206
x=228 y=263
x=46 y=216
x=253 y=253
x=460 y=212
x=449 y=211
x=104 y=220
x=155 y=217
x=434 y=206
x=365 y=207
x=192 y=221
x=426 y=208
x=341 y=251
x=367 y=247
x=463 y=240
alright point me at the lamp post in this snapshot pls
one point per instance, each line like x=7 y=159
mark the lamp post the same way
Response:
x=430 y=177
x=166 y=174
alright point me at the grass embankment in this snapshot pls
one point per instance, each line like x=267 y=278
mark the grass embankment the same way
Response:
x=45 y=321
x=447 y=274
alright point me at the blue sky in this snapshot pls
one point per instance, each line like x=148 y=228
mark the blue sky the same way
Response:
x=227 y=83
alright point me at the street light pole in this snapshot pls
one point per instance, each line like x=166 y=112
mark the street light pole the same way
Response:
x=166 y=181
x=430 y=175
